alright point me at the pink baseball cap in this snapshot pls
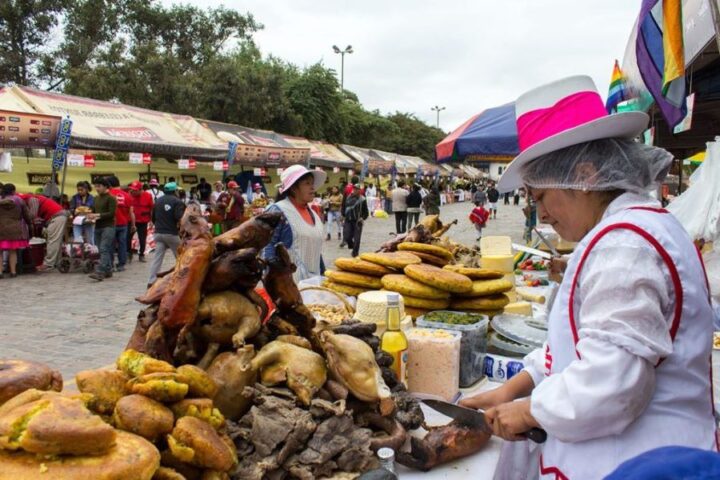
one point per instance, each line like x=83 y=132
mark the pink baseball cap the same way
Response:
x=154 y=182
x=232 y=184
x=257 y=186
x=560 y=114
x=292 y=174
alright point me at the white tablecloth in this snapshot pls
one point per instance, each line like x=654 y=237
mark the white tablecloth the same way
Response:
x=480 y=466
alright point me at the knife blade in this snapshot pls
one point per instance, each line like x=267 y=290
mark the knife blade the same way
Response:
x=533 y=251
x=476 y=418
x=547 y=243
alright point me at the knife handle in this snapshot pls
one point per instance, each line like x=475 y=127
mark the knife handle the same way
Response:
x=537 y=435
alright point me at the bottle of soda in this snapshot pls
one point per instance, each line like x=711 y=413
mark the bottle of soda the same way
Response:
x=394 y=340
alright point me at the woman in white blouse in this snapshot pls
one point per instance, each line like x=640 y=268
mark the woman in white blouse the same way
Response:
x=626 y=366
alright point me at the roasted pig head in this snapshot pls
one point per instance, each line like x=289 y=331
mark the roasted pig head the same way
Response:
x=352 y=363
x=443 y=444
x=254 y=233
x=238 y=269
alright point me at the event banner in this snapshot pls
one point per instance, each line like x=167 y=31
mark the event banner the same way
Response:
x=262 y=156
x=18 y=129
x=79 y=160
x=62 y=143
x=221 y=166
x=187 y=164
x=96 y=119
x=140 y=158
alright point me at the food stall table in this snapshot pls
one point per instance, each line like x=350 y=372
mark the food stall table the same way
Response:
x=480 y=466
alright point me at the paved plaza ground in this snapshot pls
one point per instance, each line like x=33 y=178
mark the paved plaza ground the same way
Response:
x=74 y=323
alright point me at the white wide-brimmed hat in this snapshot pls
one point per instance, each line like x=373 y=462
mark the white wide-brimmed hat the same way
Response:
x=290 y=175
x=561 y=114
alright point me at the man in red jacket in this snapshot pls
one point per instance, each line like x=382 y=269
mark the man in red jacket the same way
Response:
x=124 y=220
x=142 y=204
x=55 y=219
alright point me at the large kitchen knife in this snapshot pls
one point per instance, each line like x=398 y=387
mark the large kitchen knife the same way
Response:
x=476 y=418
x=547 y=243
x=532 y=251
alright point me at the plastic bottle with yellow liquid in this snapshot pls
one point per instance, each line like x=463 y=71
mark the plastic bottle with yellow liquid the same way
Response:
x=394 y=341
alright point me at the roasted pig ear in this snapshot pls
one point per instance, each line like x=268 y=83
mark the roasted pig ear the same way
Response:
x=352 y=362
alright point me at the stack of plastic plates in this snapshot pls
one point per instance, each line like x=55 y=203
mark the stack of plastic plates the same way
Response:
x=517 y=329
x=507 y=347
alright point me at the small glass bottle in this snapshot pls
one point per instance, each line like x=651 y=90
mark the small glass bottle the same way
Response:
x=387 y=459
x=394 y=341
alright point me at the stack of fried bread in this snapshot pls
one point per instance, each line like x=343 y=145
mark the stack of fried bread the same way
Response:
x=426 y=278
x=117 y=427
x=45 y=434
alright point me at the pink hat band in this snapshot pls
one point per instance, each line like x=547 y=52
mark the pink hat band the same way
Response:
x=570 y=112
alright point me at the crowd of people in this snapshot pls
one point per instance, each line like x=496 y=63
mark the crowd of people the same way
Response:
x=117 y=223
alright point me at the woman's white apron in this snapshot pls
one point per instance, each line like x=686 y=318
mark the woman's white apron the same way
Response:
x=681 y=409
x=307 y=242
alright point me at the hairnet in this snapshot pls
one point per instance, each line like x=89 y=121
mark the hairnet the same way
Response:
x=606 y=164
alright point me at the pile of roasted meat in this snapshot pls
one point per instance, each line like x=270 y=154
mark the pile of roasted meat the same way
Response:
x=227 y=385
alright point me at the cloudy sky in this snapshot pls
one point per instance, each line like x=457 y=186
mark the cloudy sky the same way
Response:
x=410 y=55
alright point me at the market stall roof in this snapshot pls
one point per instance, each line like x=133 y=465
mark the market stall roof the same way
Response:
x=470 y=171
x=446 y=169
x=488 y=136
x=114 y=126
x=376 y=164
x=11 y=101
x=322 y=154
x=259 y=148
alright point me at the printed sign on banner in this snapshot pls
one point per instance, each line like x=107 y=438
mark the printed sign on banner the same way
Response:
x=146 y=158
x=76 y=160
x=135 y=158
x=259 y=172
x=220 y=166
x=187 y=164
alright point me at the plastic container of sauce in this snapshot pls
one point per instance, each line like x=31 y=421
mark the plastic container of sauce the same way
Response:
x=433 y=365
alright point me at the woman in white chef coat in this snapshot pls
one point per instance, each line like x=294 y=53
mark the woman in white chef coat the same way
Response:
x=626 y=366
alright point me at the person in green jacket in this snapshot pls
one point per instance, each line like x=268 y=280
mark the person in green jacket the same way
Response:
x=104 y=218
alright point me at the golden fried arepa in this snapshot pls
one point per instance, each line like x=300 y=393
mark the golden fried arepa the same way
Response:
x=16 y=376
x=143 y=416
x=50 y=423
x=163 y=387
x=201 y=408
x=106 y=386
x=132 y=457
x=200 y=385
x=134 y=364
x=196 y=442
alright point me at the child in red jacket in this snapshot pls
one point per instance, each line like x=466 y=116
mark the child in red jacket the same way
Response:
x=479 y=216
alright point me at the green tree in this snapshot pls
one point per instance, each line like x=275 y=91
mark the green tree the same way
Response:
x=154 y=57
x=25 y=31
x=315 y=96
x=414 y=137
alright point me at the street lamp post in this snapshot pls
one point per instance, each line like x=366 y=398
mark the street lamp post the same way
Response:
x=342 y=53
x=438 y=110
